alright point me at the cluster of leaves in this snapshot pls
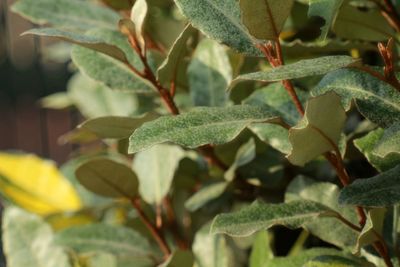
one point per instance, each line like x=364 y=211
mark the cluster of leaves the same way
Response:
x=189 y=107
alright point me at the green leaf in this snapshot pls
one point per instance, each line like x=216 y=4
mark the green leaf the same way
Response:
x=389 y=144
x=302 y=188
x=379 y=191
x=199 y=127
x=169 y=68
x=109 y=71
x=179 y=258
x=367 y=144
x=209 y=74
x=245 y=154
x=108 y=178
x=362 y=24
x=308 y=255
x=118 y=240
x=265 y=18
x=90 y=42
x=337 y=261
x=372 y=228
x=300 y=69
x=261 y=251
x=139 y=16
x=275 y=97
x=96 y=100
x=319 y=130
x=205 y=195
x=261 y=216
x=68 y=14
x=376 y=100
x=220 y=20
x=28 y=241
x=156 y=168
x=114 y=126
x=211 y=250
x=328 y=10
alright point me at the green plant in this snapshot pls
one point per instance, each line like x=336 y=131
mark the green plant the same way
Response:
x=173 y=184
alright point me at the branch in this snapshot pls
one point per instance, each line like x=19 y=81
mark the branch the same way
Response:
x=158 y=237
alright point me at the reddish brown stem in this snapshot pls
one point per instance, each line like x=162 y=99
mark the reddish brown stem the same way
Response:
x=173 y=225
x=158 y=237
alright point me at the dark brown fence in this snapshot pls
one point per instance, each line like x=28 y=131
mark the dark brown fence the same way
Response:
x=25 y=77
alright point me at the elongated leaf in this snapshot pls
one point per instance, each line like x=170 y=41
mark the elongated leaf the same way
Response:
x=372 y=228
x=28 y=241
x=306 y=256
x=180 y=258
x=169 y=68
x=302 y=188
x=117 y=240
x=262 y=216
x=107 y=70
x=114 y=126
x=366 y=145
x=328 y=10
x=199 y=127
x=138 y=16
x=219 y=20
x=36 y=184
x=90 y=42
x=69 y=14
x=209 y=74
x=376 y=100
x=319 y=130
x=337 y=261
x=245 y=154
x=265 y=18
x=261 y=251
x=93 y=99
x=275 y=96
x=205 y=195
x=389 y=143
x=300 y=69
x=155 y=169
x=108 y=178
x=378 y=191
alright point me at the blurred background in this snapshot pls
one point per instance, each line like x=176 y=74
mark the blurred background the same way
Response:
x=26 y=75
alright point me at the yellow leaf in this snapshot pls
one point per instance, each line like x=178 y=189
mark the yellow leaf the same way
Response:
x=36 y=184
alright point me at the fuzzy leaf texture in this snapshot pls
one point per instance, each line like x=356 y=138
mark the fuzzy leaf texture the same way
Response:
x=67 y=14
x=379 y=191
x=110 y=72
x=199 y=127
x=259 y=216
x=378 y=101
x=219 y=20
x=300 y=69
